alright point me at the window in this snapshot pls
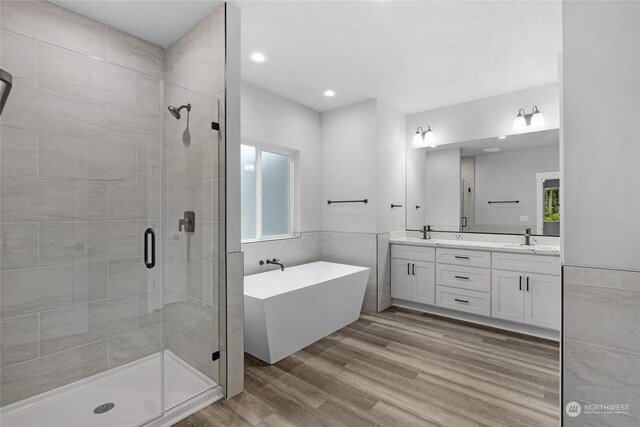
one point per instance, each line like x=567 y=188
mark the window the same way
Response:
x=267 y=193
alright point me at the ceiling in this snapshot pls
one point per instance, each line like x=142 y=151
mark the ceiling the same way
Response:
x=517 y=142
x=414 y=55
x=158 y=22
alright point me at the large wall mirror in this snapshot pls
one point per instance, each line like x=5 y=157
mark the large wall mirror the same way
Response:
x=500 y=184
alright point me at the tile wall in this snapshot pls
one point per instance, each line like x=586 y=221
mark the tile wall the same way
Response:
x=81 y=173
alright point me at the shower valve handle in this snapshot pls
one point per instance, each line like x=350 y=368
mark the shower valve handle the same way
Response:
x=188 y=222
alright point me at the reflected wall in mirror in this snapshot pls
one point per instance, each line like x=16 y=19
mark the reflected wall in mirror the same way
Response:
x=502 y=182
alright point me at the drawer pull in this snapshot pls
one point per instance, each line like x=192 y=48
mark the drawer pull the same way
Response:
x=461 y=257
x=461 y=300
x=461 y=277
x=408 y=268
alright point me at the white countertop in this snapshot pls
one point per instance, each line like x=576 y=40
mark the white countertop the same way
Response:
x=490 y=246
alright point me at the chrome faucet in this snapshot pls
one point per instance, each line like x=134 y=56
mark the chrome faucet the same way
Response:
x=527 y=237
x=426 y=232
x=276 y=262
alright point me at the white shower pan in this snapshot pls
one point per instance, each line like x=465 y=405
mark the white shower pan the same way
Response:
x=132 y=388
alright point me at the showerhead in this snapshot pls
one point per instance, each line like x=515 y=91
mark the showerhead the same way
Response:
x=175 y=112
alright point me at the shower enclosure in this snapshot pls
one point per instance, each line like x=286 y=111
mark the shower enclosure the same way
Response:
x=110 y=220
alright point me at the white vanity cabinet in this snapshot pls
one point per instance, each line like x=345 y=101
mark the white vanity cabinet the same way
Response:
x=528 y=294
x=413 y=274
x=485 y=285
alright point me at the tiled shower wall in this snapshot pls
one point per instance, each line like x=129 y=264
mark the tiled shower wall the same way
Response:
x=81 y=175
x=195 y=75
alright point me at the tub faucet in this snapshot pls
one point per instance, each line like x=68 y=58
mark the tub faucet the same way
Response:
x=527 y=237
x=276 y=262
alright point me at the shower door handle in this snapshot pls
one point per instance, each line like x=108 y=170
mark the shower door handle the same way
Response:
x=149 y=232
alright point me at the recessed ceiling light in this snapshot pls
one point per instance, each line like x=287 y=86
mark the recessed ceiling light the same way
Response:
x=329 y=93
x=491 y=150
x=502 y=137
x=258 y=57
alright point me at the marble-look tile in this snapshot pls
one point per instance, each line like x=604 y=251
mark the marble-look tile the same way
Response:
x=78 y=74
x=614 y=311
x=202 y=245
x=602 y=277
x=135 y=345
x=148 y=93
x=133 y=127
x=45 y=110
x=384 y=247
x=19 y=152
x=19 y=57
x=292 y=252
x=132 y=52
x=19 y=242
x=40 y=199
x=76 y=242
x=65 y=157
x=349 y=248
x=149 y=308
x=234 y=289
x=195 y=162
x=235 y=352
x=197 y=60
x=36 y=289
x=384 y=285
x=197 y=277
x=149 y=166
x=195 y=352
x=19 y=339
x=90 y=282
x=47 y=373
x=127 y=200
x=81 y=324
x=192 y=316
x=602 y=375
x=201 y=197
x=127 y=276
x=53 y=24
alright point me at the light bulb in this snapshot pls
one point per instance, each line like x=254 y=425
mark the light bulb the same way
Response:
x=417 y=138
x=537 y=120
x=258 y=57
x=429 y=137
x=520 y=122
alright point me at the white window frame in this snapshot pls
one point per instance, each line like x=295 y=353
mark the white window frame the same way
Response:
x=292 y=155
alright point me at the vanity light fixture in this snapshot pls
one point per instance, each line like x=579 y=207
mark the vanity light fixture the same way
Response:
x=522 y=120
x=329 y=93
x=424 y=137
x=258 y=57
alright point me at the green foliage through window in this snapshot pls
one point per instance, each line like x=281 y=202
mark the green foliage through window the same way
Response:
x=552 y=204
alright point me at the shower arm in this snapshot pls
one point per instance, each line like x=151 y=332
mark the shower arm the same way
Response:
x=6 y=78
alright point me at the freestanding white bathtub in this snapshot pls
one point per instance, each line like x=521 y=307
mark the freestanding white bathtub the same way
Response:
x=285 y=311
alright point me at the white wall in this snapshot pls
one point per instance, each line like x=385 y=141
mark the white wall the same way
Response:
x=487 y=117
x=601 y=127
x=511 y=175
x=442 y=189
x=349 y=158
x=273 y=120
x=391 y=168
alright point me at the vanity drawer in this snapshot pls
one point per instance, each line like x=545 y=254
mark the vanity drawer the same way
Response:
x=527 y=263
x=463 y=300
x=413 y=253
x=464 y=257
x=459 y=276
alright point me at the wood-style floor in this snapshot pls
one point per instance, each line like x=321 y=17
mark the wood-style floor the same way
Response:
x=400 y=368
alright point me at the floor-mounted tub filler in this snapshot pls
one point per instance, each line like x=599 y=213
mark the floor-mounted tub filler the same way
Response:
x=285 y=311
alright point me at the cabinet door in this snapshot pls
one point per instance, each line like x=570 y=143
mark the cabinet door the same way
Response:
x=424 y=282
x=401 y=279
x=542 y=301
x=507 y=295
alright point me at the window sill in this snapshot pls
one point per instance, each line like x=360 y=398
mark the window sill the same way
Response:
x=271 y=239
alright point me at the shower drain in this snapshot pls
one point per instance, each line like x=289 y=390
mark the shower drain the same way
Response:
x=101 y=409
